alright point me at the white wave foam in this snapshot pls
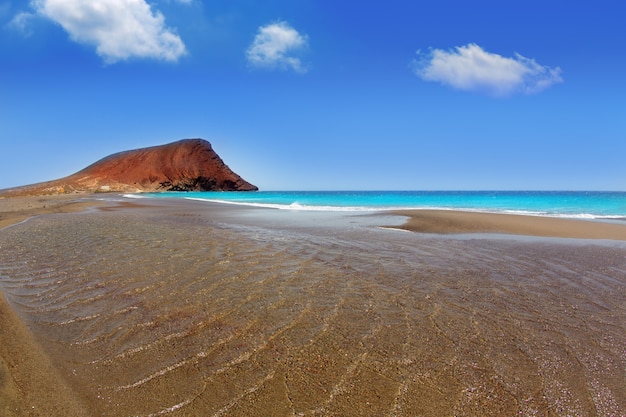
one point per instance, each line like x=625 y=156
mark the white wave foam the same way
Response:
x=295 y=206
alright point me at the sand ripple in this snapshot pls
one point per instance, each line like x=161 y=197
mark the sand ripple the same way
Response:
x=181 y=315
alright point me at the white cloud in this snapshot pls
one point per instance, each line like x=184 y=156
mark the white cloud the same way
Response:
x=120 y=29
x=276 y=46
x=471 y=68
x=21 y=23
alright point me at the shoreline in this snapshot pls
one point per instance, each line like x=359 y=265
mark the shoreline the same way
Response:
x=17 y=209
x=451 y=222
x=463 y=222
x=30 y=377
x=29 y=382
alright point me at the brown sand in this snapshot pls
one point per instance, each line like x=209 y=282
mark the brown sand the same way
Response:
x=445 y=221
x=16 y=209
x=185 y=308
x=29 y=384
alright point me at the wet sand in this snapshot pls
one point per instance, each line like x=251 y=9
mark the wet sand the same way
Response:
x=444 y=221
x=188 y=308
x=16 y=209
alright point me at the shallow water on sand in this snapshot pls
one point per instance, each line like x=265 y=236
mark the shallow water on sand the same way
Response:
x=191 y=314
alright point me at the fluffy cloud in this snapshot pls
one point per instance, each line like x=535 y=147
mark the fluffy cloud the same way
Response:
x=471 y=68
x=119 y=29
x=276 y=46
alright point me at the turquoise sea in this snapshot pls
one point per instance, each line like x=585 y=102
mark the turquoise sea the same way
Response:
x=578 y=204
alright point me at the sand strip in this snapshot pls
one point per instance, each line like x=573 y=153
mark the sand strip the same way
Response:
x=16 y=209
x=29 y=383
x=451 y=222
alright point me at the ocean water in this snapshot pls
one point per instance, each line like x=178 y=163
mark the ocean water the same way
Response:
x=587 y=205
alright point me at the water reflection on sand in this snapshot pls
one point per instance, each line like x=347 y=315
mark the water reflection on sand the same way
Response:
x=187 y=311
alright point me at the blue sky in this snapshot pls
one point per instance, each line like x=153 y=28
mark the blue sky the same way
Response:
x=318 y=94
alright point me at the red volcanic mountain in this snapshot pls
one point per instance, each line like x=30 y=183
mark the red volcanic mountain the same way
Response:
x=186 y=165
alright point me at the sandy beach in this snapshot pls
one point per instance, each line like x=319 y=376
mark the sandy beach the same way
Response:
x=449 y=221
x=29 y=383
x=184 y=308
x=16 y=209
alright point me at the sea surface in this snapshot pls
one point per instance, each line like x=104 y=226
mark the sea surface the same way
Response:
x=579 y=204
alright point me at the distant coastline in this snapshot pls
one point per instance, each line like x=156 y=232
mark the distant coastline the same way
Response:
x=423 y=220
x=562 y=204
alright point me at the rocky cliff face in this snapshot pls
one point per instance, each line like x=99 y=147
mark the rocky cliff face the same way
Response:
x=186 y=165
